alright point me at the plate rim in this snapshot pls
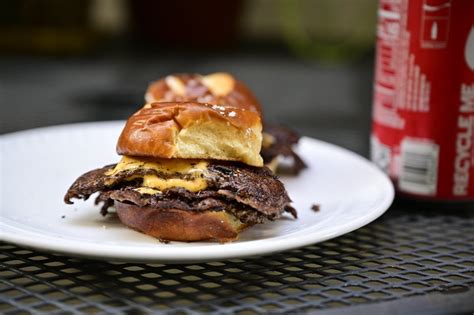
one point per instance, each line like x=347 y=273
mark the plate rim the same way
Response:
x=226 y=251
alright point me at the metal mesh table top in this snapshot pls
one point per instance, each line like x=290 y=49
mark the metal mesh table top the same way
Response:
x=402 y=254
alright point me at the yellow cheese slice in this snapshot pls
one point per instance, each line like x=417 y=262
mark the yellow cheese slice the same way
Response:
x=194 y=169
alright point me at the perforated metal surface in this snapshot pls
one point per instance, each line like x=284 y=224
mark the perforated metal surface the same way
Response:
x=400 y=255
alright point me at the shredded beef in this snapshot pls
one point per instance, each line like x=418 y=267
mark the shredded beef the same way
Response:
x=284 y=140
x=163 y=201
x=256 y=187
x=97 y=180
x=87 y=184
x=250 y=193
x=178 y=198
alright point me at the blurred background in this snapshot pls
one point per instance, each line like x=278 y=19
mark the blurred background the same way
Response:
x=309 y=62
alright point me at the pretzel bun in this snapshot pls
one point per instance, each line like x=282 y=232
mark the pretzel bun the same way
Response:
x=190 y=130
x=180 y=225
x=225 y=92
x=217 y=88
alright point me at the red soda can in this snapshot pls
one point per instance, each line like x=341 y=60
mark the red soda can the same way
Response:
x=423 y=104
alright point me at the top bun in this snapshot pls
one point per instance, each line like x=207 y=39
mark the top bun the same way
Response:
x=196 y=117
x=191 y=130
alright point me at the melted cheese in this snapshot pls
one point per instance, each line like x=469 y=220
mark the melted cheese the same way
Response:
x=194 y=169
x=154 y=181
x=167 y=166
x=146 y=190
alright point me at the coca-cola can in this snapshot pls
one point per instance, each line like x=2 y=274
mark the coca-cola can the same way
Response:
x=423 y=104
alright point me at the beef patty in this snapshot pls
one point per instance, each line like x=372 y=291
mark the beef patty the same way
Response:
x=251 y=194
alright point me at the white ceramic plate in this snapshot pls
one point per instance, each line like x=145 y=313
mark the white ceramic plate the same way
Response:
x=37 y=167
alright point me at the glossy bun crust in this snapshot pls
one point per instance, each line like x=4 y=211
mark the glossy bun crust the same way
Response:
x=180 y=225
x=190 y=130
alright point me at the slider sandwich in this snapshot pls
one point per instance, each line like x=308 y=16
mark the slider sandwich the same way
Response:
x=222 y=88
x=190 y=171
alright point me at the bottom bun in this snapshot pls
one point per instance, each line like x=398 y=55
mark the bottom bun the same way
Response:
x=180 y=225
